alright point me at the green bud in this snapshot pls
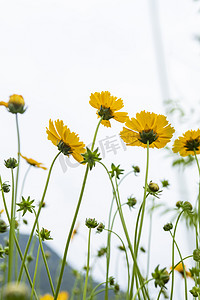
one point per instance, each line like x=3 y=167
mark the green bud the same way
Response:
x=165 y=183
x=111 y=280
x=91 y=223
x=116 y=288
x=196 y=254
x=102 y=252
x=30 y=258
x=116 y=171
x=3 y=226
x=136 y=169
x=5 y=187
x=11 y=163
x=179 y=204
x=44 y=234
x=153 y=187
x=100 y=227
x=105 y=113
x=131 y=202
x=161 y=277
x=91 y=157
x=187 y=206
x=195 y=291
x=168 y=227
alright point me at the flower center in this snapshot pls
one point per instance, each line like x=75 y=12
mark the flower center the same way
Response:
x=105 y=112
x=64 y=148
x=148 y=135
x=192 y=144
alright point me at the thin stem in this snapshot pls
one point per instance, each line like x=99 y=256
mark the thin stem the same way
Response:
x=95 y=134
x=172 y=285
x=35 y=272
x=75 y=217
x=127 y=262
x=36 y=218
x=93 y=291
x=146 y=282
x=45 y=260
x=184 y=271
x=16 y=241
x=198 y=209
x=149 y=240
x=109 y=236
x=11 y=233
x=18 y=157
x=136 y=246
x=124 y=228
x=88 y=266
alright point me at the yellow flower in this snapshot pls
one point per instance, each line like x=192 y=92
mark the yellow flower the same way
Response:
x=108 y=106
x=66 y=141
x=61 y=296
x=179 y=268
x=15 y=104
x=187 y=143
x=33 y=162
x=147 y=127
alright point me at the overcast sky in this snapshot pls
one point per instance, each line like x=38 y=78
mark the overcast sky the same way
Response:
x=55 y=54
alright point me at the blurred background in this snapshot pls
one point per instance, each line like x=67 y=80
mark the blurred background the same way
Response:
x=56 y=53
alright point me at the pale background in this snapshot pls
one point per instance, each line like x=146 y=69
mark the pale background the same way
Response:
x=55 y=54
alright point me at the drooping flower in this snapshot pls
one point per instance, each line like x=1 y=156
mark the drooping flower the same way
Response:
x=33 y=162
x=188 y=144
x=147 y=127
x=108 y=107
x=61 y=296
x=15 y=104
x=179 y=268
x=66 y=141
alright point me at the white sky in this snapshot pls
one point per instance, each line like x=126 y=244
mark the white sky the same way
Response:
x=55 y=53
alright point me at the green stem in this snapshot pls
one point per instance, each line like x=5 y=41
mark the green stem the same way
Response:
x=18 y=157
x=35 y=272
x=95 y=134
x=16 y=241
x=93 y=291
x=124 y=227
x=149 y=240
x=11 y=233
x=172 y=285
x=146 y=282
x=75 y=217
x=36 y=218
x=45 y=260
x=136 y=246
x=198 y=209
x=88 y=266
x=184 y=271
x=127 y=262
x=109 y=237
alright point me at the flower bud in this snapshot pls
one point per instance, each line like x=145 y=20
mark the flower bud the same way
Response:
x=111 y=280
x=196 y=254
x=16 y=104
x=195 y=291
x=178 y=204
x=3 y=226
x=187 y=206
x=5 y=187
x=131 y=202
x=16 y=291
x=136 y=169
x=153 y=187
x=11 y=163
x=100 y=227
x=102 y=252
x=116 y=288
x=168 y=227
x=91 y=223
